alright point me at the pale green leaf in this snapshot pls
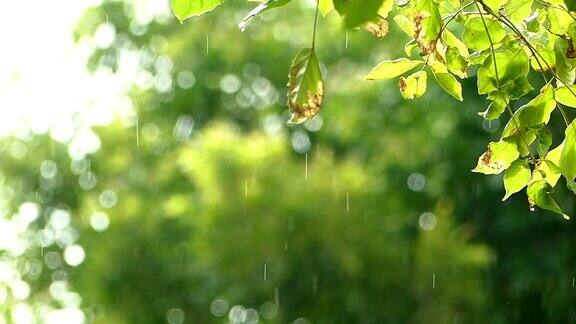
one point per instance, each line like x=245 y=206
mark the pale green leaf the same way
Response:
x=449 y=84
x=188 y=8
x=475 y=33
x=567 y=161
x=516 y=178
x=325 y=7
x=535 y=112
x=391 y=69
x=498 y=157
x=495 y=4
x=357 y=12
x=566 y=96
x=510 y=64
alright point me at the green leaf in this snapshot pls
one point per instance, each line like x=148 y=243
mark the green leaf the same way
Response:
x=518 y=88
x=518 y=10
x=187 y=8
x=544 y=141
x=449 y=84
x=497 y=106
x=305 y=87
x=475 y=33
x=452 y=41
x=535 y=112
x=391 y=69
x=568 y=156
x=456 y=63
x=516 y=177
x=566 y=96
x=510 y=64
x=413 y=86
x=498 y=157
x=357 y=12
x=539 y=195
x=495 y=4
x=325 y=7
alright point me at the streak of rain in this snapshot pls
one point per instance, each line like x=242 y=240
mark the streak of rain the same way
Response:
x=347 y=202
x=433 y=280
x=306 y=168
x=137 y=133
x=314 y=285
x=265 y=271
x=246 y=188
x=277 y=296
x=207 y=44
x=346 y=40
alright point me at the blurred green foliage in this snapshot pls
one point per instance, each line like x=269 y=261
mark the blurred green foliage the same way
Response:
x=218 y=211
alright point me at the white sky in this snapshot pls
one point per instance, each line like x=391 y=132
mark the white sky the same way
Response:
x=43 y=79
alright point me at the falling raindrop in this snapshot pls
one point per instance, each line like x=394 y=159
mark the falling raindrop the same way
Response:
x=246 y=188
x=346 y=40
x=306 y=169
x=532 y=208
x=433 y=280
x=347 y=202
x=277 y=296
x=137 y=134
x=314 y=284
x=573 y=281
x=207 y=44
x=265 y=271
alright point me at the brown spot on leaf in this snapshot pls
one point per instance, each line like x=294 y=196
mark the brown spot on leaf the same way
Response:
x=378 y=29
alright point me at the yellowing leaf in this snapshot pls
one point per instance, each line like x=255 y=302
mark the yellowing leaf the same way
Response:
x=498 y=157
x=305 y=87
x=391 y=69
x=325 y=7
x=413 y=86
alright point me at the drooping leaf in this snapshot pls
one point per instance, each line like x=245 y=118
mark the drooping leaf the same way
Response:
x=498 y=157
x=516 y=177
x=413 y=86
x=305 y=87
x=188 y=8
x=391 y=69
x=357 y=12
x=325 y=7
x=449 y=84
x=475 y=33
x=539 y=195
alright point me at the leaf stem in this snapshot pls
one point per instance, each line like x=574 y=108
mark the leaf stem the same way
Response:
x=315 y=24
